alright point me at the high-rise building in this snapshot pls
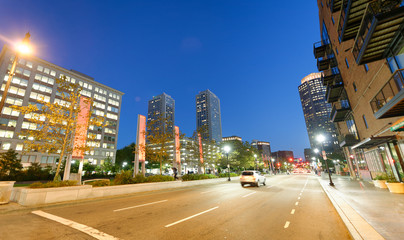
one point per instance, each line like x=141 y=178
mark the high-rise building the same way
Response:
x=34 y=79
x=232 y=138
x=361 y=54
x=163 y=107
x=208 y=114
x=317 y=112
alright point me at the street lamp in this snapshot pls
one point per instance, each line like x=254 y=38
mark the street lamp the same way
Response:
x=22 y=48
x=255 y=155
x=227 y=150
x=320 y=138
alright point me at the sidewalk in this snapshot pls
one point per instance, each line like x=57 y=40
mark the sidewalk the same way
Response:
x=368 y=212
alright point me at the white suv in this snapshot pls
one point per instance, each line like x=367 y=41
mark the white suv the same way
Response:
x=254 y=178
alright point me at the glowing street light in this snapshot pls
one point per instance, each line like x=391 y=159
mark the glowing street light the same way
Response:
x=227 y=150
x=320 y=138
x=22 y=48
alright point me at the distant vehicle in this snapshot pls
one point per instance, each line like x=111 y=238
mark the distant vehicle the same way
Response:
x=254 y=178
x=300 y=171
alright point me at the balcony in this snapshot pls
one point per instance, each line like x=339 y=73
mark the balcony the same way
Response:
x=381 y=28
x=350 y=18
x=334 y=92
x=347 y=140
x=320 y=49
x=330 y=76
x=324 y=63
x=389 y=102
x=335 y=5
x=340 y=111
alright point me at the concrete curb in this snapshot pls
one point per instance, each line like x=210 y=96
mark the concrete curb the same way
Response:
x=358 y=227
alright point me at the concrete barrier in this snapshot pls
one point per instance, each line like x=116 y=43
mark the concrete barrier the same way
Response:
x=39 y=196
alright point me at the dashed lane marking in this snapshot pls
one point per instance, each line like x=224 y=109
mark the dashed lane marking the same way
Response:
x=185 y=219
x=298 y=198
x=297 y=203
x=293 y=211
x=81 y=227
x=286 y=224
x=142 y=205
x=249 y=194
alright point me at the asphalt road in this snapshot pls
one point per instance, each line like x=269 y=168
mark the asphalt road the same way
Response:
x=288 y=207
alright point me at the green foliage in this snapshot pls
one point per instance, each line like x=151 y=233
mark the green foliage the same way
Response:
x=139 y=178
x=224 y=175
x=159 y=178
x=190 y=177
x=89 y=168
x=391 y=179
x=100 y=183
x=124 y=177
x=36 y=172
x=125 y=154
x=382 y=176
x=9 y=163
x=53 y=184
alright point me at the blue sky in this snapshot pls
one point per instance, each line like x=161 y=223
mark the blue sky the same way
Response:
x=251 y=54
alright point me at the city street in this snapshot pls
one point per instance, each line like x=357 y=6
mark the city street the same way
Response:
x=288 y=207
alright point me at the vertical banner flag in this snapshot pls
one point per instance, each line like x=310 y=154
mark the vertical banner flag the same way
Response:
x=177 y=145
x=264 y=158
x=200 y=148
x=80 y=136
x=141 y=139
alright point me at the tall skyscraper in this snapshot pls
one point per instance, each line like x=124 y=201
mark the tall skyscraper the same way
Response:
x=208 y=114
x=162 y=106
x=317 y=112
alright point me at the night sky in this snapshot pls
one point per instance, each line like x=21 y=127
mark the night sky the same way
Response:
x=251 y=54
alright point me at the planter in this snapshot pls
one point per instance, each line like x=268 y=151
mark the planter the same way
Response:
x=380 y=183
x=6 y=187
x=396 y=187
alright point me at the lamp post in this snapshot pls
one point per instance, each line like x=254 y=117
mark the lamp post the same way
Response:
x=255 y=156
x=227 y=150
x=321 y=139
x=22 y=48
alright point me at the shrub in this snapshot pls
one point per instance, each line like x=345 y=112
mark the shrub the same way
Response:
x=100 y=183
x=223 y=175
x=139 y=179
x=53 y=184
x=381 y=177
x=124 y=177
x=159 y=178
x=190 y=177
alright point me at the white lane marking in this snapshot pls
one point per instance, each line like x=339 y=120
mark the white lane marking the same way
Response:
x=293 y=211
x=81 y=227
x=269 y=186
x=286 y=224
x=297 y=203
x=142 y=205
x=298 y=198
x=182 y=220
x=300 y=194
x=249 y=194
x=208 y=191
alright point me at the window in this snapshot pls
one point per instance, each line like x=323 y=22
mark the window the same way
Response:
x=332 y=19
x=364 y=120
x=396 y=62
x=346 y=62
x=6 y=134
x=366 y=67
x=10 y=111
x=6 y=146
x=44 y=79
x=7 y=122
x=336 y=50
x=42 y=88
x=28 y=158
x=113 y=109
x=19 y=147
x=17 y=80
x=23 y=71
x=38 y=96
x=324 y=34
x=354 y=86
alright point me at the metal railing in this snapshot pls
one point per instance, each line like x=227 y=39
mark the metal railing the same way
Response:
x=341 y=105
x=388 y=91
x=345 y=5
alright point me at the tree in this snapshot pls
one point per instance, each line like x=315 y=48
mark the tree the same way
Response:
x=9 y=163
x=158 y=137
x=53 y=125
x=125 y=154
x=109 y=166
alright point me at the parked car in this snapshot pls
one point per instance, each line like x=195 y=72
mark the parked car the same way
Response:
x=254 y=178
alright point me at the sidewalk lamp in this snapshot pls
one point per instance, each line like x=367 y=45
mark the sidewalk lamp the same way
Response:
x=256 y=163
x=22 y=49
x=227 y=150
x=320 y=138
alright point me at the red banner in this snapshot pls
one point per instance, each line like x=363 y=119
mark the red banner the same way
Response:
x=177 y=145
x=200 y=148
x=80 y=136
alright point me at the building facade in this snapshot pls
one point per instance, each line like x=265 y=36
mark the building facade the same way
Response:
x=232 y=138
x=362 y=58
x=35 y=79
x=264 y=149
x=208 y=115
x=163 y=107
x=316 y=113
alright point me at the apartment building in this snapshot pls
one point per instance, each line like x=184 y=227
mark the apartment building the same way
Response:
x=361 y=55
x=35 y=79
